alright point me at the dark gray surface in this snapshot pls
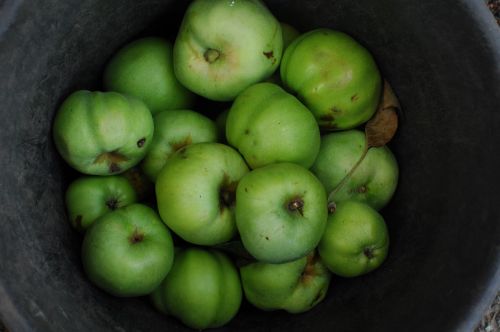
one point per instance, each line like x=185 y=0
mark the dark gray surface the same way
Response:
x=443 y=59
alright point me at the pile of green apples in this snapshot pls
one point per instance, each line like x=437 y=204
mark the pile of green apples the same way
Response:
x=282 y=189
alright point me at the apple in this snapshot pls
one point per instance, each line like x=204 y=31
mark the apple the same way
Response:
x=203 y=289
x=144 y=69
x=128 y=252
x=196 y=189
x=268 y=125
x=289 y=34
x=225 y=46
x=281 y=212
x=296 y=286
x=173 y=130
x=102 y=133
x=373 y=182
x=334 y=76
x=87 y=198
x=355 y=241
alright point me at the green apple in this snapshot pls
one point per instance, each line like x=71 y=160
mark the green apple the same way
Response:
x=355 y=241
x=128 y=252
x=174 y=130
x=90 y=197
x=196 y=192
x=296 y=286
x=373 y=182
x=268 y=125
x=289 y=34
x=334 y=76
x=203 y=289
x=281 y=212
x=102 y=133
x=225 y=46
x=144 y=69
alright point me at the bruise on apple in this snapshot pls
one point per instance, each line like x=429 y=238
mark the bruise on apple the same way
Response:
x=309 y=271
x=227 y=193
x=113 y=158
x=176 y=146
x=141 y=142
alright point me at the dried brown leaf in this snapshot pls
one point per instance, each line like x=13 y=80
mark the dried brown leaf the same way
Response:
x=383 y=125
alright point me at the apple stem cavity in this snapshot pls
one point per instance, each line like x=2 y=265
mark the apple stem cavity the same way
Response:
x=227 y=193
x=368 y=252
x=331 y=207
x=112 y=204
x=113 y=158
x=136 y=237
x=296 y=204
x=211 y=55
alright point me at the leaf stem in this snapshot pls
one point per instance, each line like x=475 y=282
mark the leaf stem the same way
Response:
x=349 y=175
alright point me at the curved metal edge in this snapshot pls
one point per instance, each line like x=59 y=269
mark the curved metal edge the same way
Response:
x=487 y=25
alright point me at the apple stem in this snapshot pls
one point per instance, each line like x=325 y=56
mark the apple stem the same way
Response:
x=347 y=177
x=211 y=55
x=296 y=204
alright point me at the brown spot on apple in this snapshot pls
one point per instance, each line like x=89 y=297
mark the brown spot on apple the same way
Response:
x=309 y=271
x=176 y=146
x=113 y=158
x=136 y=237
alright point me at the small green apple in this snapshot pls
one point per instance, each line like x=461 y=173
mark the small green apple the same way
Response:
x=334 y=76
x=355 y=241
x=90 y=197
x=173 y=130
x=373 y=182
x=225 y=46
x=268 y=125
x=102 y=133
x=289 y=34
x=202 y=290
x=296 y=286
x=196 y=189
x=128 y=252
x=281 y=212
x=144 y=69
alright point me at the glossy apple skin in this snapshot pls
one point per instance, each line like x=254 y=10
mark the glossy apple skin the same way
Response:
x=268 y=125
x=272 y=229
x=102 y=133
x=90 y=197
x=144 y=69
x=225 y=46
x=373 y=182
x=296 y=286
x=203 y=289
x=128 y=252
x=195 y=192
x=334 y=76
x=356 y=240
x=174 y=130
